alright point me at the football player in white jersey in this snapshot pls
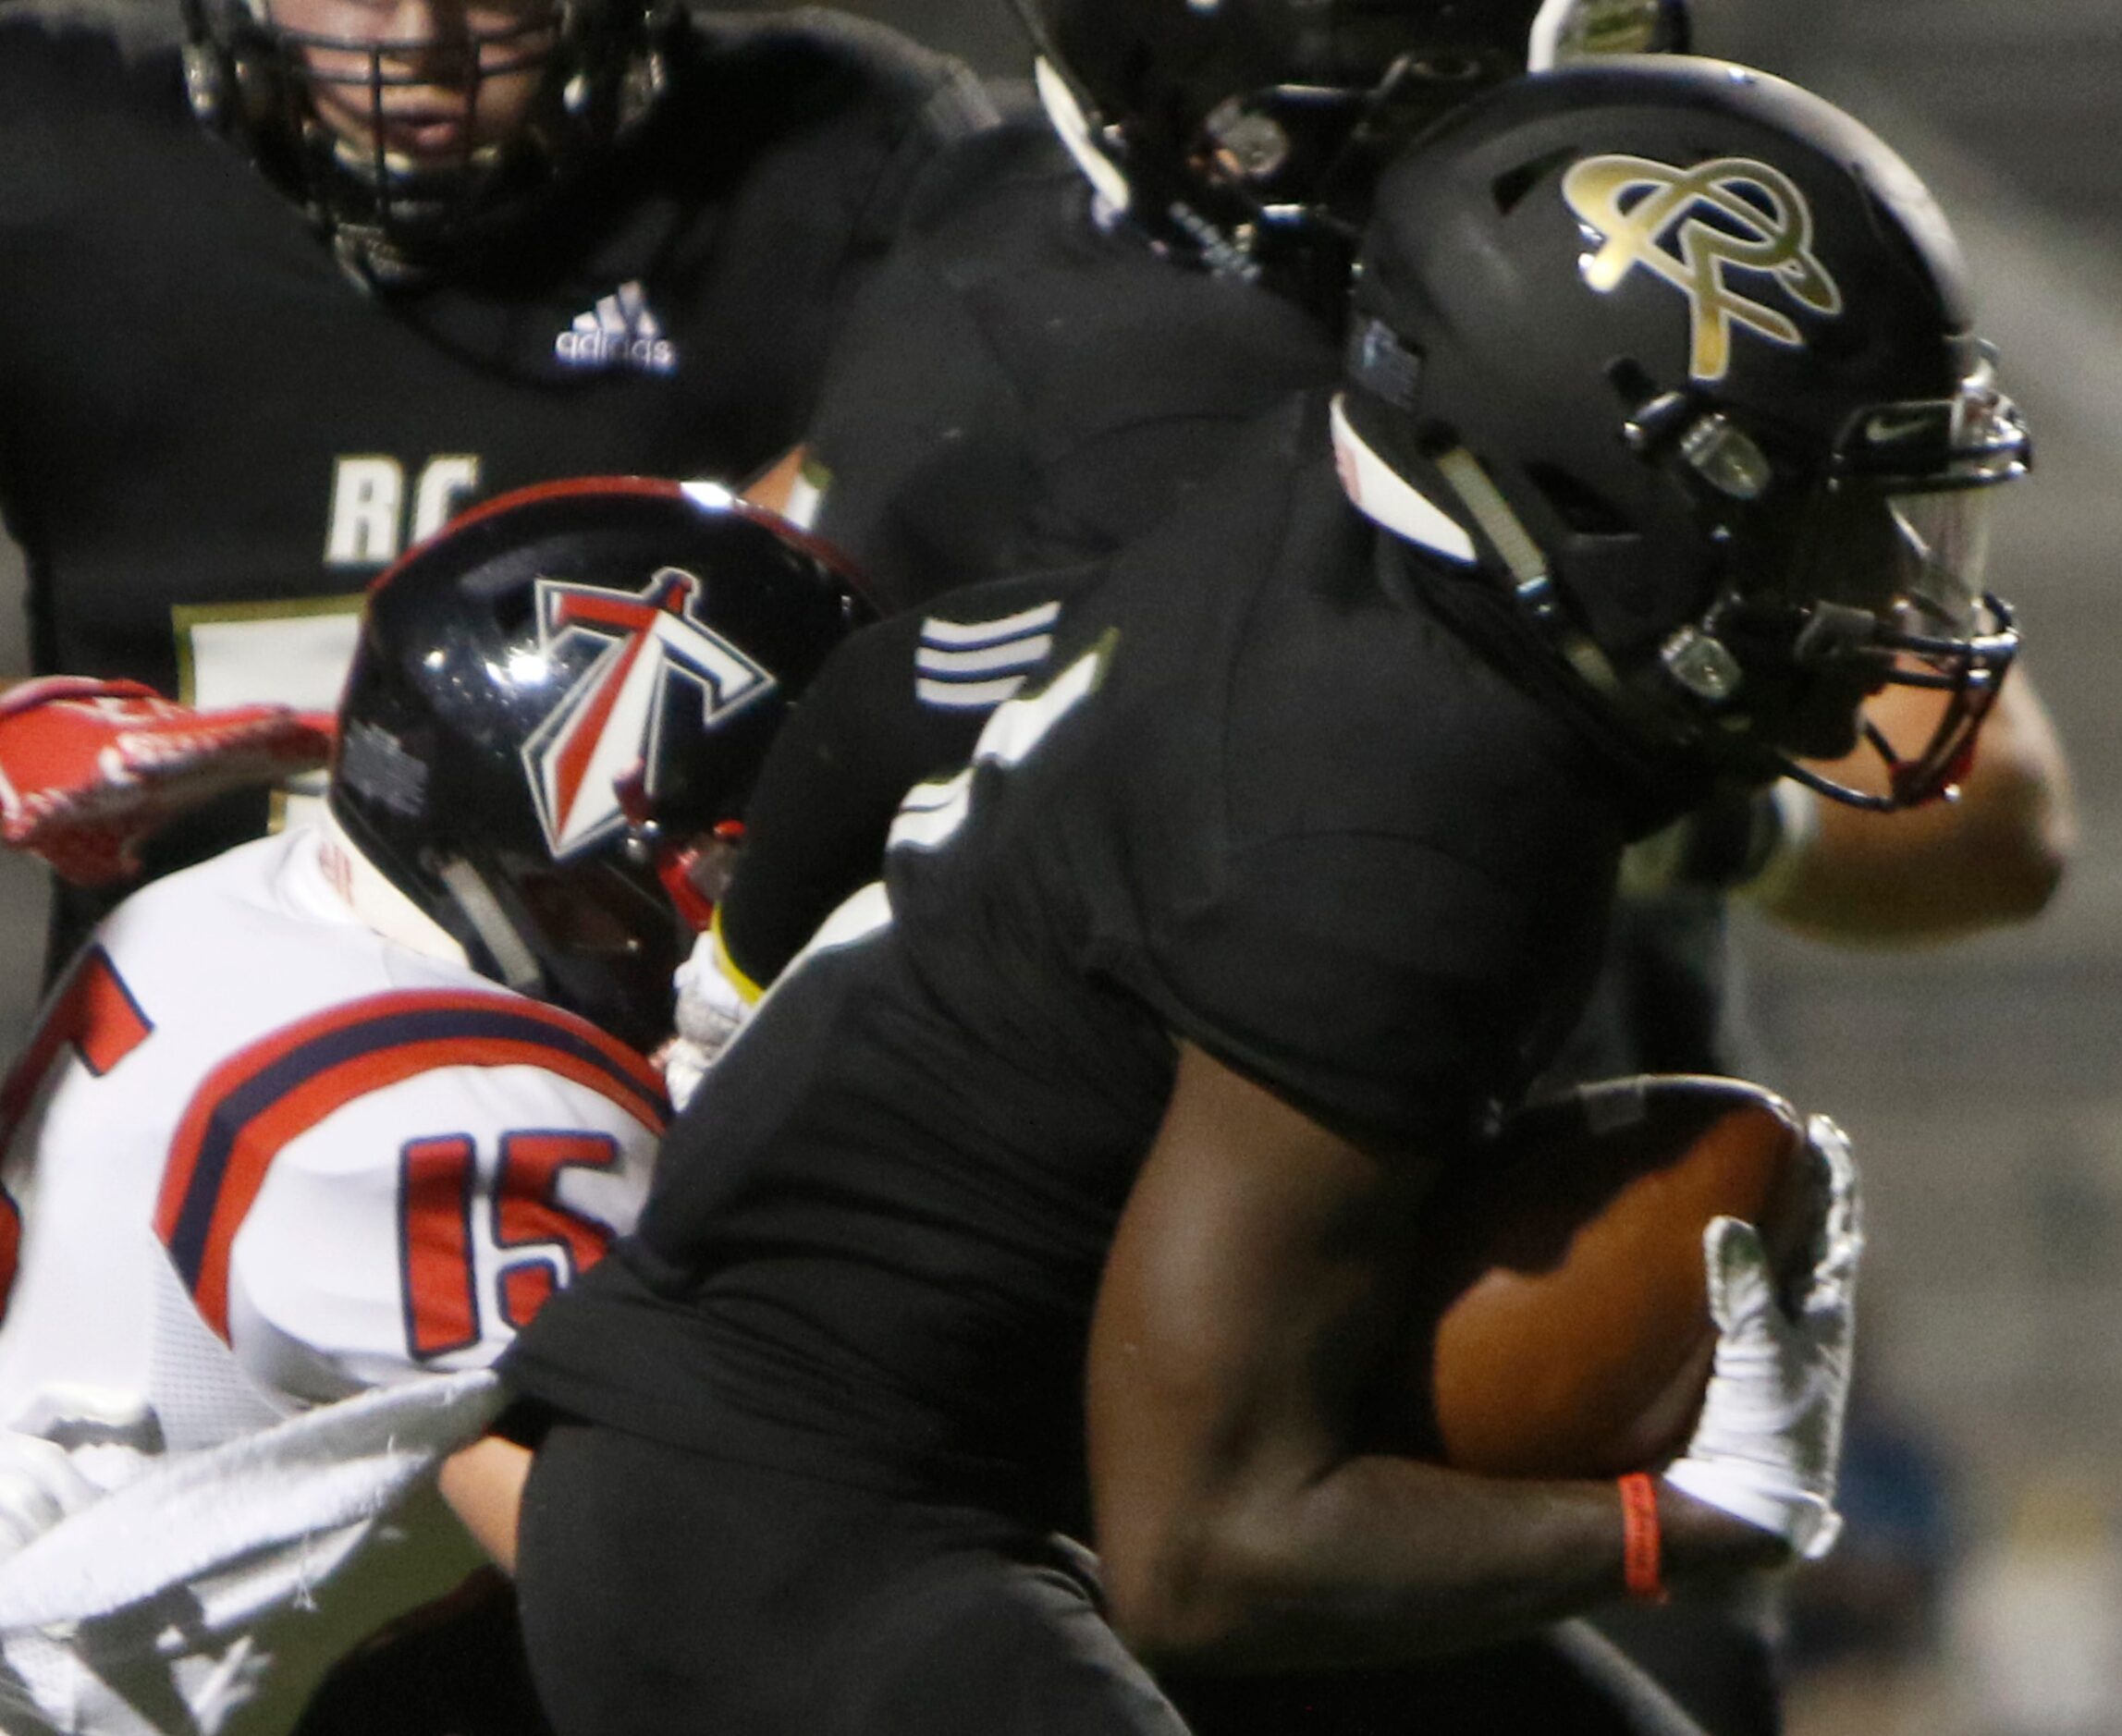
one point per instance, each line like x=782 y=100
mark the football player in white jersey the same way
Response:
x=307 y=1132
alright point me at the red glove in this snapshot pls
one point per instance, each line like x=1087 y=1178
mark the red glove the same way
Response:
x=88 y=768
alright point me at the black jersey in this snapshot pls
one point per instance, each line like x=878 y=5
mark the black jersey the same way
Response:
x=211 y=439
x=1024 y=387
x=1266 y=800
x=906 y=700
x=1669 y=999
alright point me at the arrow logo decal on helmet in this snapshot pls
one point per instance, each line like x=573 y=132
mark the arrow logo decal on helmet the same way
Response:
x=1668 y=229
x=609 y=723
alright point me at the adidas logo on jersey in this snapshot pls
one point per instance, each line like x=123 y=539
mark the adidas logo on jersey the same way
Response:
x=620 y=331
x=964 y=666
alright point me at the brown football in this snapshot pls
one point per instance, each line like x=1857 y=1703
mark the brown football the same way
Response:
x=1562 y=1327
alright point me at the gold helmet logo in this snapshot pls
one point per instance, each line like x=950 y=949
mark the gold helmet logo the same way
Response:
x=1668 y=229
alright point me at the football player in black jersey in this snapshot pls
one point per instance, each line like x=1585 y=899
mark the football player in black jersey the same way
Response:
x=1066 y=345
x=415 y=256
x=1065 y=1186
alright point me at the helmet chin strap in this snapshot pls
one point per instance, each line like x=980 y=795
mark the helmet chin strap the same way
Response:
x=1534 y=588
x=1390 y=500
x=371 y=896
x=514 y=959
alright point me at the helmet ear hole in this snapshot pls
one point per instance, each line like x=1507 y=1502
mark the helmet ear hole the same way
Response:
x=1508 y=189
x=1578 y=505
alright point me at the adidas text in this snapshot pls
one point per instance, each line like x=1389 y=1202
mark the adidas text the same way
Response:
x=619 y=332
x=608 y=349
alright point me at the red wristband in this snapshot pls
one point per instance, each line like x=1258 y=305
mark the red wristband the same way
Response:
x=1640 y=1550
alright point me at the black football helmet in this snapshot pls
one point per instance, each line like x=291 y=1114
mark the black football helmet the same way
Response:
x=1680 y=355
x=553 y=699
x=325 y=117
x=1246 y=133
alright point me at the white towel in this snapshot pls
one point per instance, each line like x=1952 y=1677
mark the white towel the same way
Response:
x=174 y=1576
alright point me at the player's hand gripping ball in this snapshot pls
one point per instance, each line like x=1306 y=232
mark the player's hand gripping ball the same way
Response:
x=1562 y=1326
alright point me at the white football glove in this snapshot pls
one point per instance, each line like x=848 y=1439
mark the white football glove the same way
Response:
x=711 y=1010
x=1769 y=1442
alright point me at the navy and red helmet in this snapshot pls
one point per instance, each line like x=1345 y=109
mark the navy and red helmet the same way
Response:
x=559 y=694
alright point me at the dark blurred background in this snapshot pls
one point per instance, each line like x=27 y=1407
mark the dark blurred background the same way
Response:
x=1980 y=1591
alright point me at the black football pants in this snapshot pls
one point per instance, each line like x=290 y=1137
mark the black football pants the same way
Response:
x=664 y=1593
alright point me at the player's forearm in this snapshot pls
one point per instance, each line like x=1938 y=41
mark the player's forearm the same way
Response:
x=1385 y=1561
x=1995 y=856
x=1255 y=1311
x=1945 y=875
x=483 y=1484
